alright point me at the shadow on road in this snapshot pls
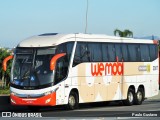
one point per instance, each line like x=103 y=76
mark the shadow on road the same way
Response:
x=10 y=108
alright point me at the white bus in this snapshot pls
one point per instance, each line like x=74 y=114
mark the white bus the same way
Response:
x=68 y=69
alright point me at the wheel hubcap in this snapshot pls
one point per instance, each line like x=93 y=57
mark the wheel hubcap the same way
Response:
x=72 y=100
x=139 y=96
x=130 y=97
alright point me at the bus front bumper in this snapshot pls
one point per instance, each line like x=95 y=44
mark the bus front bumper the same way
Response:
x=48 y=100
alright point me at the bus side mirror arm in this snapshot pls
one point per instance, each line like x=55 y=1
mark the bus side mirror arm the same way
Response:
x=54 y=60
x=4 y=64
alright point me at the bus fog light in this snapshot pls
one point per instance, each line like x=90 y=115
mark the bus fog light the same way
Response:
x=48 y=100
x=13 y=101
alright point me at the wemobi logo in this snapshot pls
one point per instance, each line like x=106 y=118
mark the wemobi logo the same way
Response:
x=99 y=69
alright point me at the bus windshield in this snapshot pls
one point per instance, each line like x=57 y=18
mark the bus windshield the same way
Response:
x=31 y=67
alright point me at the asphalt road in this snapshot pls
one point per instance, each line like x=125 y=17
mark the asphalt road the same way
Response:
x=113 y=109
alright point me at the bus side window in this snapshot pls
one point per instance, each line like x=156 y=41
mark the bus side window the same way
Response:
x=153 y=52
x=82 y=54
x=85 y=54
x=145 y=57
x=105 y=52
x=77 y=59
x=63 y=63
x=118 y=52
x=124 y=53
x=134 y=52
x=69 y=46
x=61 y=69
x=95 y=51
x=111 y=53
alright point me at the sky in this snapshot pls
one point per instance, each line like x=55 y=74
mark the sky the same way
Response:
x=20 y=19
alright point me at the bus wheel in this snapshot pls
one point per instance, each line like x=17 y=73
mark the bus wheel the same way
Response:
x=72 y=101
x=139 y=96
x=130 y=98
x=34 y=108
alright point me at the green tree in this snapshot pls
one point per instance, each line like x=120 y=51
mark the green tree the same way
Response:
x=5 y=76
x=125 y=33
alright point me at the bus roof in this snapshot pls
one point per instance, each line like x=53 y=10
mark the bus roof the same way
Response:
x=52 y=39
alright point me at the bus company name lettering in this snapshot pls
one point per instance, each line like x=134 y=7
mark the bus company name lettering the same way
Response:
x=99 y=69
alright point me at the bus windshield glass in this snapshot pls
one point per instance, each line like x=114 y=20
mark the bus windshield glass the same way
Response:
x=31 y=67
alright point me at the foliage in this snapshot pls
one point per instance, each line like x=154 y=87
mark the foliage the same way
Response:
x=125 y=33
x=5 y=76
x=5 y=91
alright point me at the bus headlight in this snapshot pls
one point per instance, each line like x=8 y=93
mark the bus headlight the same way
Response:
x=47 y=93
x=13 y=93
x=50 y=92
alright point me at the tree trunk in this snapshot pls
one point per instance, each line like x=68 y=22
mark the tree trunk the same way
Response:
x=2 y=80
x=5 y=81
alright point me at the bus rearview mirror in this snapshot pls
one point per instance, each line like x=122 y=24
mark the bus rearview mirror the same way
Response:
x=54 y=60
x=4 y=64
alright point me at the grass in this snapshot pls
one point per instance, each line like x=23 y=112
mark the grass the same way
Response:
x=4 y=91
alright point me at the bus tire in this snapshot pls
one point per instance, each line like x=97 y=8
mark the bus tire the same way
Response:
x=139 y=96
x=34 y=108
x=73 y=101
x=130 y=97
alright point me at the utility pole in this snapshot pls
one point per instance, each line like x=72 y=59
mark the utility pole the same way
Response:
x=86 y=18
x=152 y=37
